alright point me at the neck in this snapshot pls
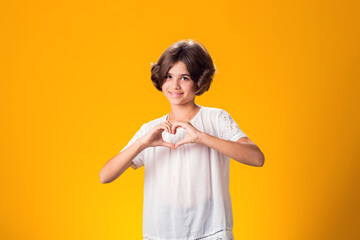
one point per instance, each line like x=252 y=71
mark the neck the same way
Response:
x=182 y=112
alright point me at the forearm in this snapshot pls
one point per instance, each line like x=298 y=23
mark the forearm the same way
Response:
x=245 y=153
x=118 y=164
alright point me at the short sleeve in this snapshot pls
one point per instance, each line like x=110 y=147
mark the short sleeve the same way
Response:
x=139 y=159
x=228 y=128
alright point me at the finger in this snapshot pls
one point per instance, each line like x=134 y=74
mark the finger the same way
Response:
x=172 y=129
x=168 y=125
x=181 y=142
x=177 y=125
x=167 y=122
x=170 y=145
x=164 y=128
x=161 y=127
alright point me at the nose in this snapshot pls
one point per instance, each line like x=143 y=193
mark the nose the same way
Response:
x=175 y=83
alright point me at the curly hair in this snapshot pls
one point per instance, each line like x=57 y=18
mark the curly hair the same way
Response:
x=196 y=58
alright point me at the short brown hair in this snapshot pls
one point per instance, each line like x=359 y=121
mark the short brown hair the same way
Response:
x=196 y=58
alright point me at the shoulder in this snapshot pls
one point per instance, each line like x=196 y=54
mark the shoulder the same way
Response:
x=214 y=116
x=214 y=112
x=218 y=116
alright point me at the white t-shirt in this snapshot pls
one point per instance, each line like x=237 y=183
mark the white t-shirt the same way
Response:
x=186 y=190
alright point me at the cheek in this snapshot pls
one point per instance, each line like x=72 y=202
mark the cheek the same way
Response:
x=165 y=85
x=191 y=87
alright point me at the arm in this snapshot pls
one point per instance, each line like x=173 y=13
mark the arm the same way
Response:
x=118 y=164
x=244 y=150
x=122 y=161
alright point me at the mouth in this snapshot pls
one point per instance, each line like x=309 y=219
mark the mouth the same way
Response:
x=176 y=94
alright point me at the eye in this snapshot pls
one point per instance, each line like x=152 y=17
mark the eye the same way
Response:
x=185 y=78
x=167 y=76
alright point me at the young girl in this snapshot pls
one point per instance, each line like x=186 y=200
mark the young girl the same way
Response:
x=186 y=153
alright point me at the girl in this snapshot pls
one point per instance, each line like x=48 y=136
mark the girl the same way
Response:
x=186 y=153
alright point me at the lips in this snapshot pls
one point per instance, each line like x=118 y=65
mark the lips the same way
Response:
x=175 y=94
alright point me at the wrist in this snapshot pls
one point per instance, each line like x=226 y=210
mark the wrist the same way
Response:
x=142 y=144
x=202 y=137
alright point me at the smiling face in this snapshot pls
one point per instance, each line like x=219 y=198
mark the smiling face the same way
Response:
x=178 y=87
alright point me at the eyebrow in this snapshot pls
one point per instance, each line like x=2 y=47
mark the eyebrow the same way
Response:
x=180 y=74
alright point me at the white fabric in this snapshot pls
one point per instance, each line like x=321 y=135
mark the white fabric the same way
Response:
x=186 y=190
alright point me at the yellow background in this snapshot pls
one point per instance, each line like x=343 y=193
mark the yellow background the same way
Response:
x=75 y=87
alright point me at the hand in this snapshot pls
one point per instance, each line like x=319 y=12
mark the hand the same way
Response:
x=192 y=136
x=154 y=138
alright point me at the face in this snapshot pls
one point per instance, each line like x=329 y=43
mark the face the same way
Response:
x=178 y=87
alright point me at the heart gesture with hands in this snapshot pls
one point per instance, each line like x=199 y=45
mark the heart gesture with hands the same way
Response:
x=192 y=135
x=154 y=138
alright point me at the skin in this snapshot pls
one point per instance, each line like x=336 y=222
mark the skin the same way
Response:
x=182 y=108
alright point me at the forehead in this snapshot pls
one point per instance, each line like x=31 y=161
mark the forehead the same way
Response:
x=178 y=68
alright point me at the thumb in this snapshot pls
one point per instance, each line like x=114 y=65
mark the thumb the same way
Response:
x=179 y=143
x=166 y=144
